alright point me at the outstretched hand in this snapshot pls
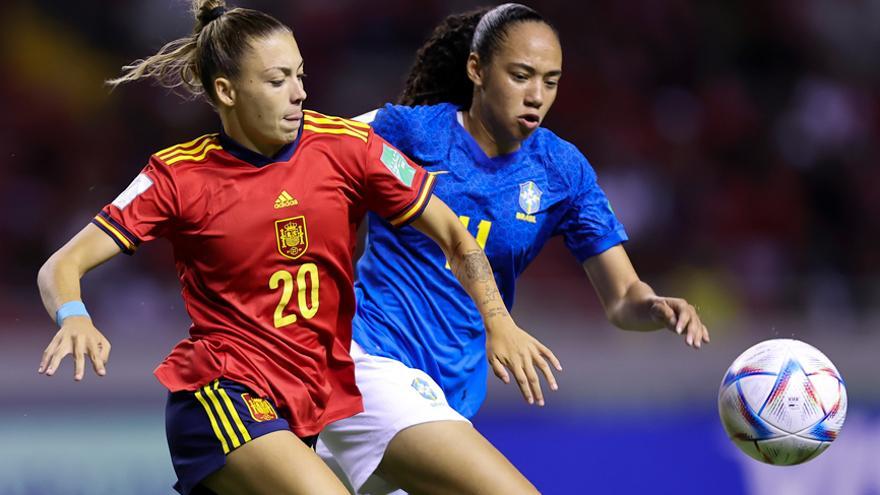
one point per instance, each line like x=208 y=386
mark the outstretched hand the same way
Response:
x=78 y=337
x=681 y=317
x=512 y=348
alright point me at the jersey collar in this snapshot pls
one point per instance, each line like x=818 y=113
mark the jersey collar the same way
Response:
x=257 y=159
x=477 y=152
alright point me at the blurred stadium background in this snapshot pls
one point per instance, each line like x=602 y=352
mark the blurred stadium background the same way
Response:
x=738 y=141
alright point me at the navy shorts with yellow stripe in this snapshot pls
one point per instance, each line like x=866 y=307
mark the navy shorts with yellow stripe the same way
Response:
x=205 y=425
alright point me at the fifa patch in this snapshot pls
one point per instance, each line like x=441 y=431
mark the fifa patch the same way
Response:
x=137 y=187
x=397 y=164
x=425 y=389
x=292 y=237
x=261 y=410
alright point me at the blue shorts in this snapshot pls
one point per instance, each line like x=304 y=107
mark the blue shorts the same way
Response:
x=205 y=425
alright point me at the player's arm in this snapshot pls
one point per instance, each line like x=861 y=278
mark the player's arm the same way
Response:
x=508 y=345
x=631 y=304
x=59 y=282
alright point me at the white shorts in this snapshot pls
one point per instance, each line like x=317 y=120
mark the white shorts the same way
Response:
x=395 y=398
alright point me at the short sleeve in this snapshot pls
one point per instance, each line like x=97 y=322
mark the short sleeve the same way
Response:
x=589 y=225
x=392 y=124
x=143 y=211
x=395 y=187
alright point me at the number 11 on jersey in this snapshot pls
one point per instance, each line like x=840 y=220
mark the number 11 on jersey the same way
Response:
x=482 y=232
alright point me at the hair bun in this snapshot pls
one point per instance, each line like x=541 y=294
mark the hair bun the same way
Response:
x=206 y=17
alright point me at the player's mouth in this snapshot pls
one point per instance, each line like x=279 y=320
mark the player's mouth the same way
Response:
x=293 y=118
x=529 y=121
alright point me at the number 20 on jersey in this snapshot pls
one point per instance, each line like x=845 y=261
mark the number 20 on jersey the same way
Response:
x=307 y=301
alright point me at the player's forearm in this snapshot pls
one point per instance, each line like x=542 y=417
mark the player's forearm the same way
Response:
x=59 y=282
x=632 y=311
x=472 y=269
x=59 y=278
x=466 y=259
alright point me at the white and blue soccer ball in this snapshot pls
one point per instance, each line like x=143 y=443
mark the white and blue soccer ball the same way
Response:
x=782 y=402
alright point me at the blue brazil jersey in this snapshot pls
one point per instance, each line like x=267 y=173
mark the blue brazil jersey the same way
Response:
x=410 y=307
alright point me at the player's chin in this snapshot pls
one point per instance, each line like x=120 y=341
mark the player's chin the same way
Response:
x=521 y=133
x=285 y=136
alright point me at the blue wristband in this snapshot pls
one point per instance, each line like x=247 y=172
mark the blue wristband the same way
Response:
x=71 y=308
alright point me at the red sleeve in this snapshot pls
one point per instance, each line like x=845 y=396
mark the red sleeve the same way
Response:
x=143 y=211
x=396 y=188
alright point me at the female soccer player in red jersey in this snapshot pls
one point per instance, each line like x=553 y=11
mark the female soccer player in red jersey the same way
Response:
x=472 y=111
x=262 y=217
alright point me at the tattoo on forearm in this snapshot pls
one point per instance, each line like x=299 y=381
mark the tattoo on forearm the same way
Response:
x=490 y=295
x=476 y=266
x=492 y=313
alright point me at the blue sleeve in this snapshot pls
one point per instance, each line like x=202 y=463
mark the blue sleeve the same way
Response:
x=393 y=123
x=588 y=226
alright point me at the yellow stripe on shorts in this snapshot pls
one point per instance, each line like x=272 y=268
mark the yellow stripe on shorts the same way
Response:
x=223 y=418
x=213 y=422
x=232 y=412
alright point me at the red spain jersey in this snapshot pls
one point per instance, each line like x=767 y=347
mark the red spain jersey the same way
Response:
x=263 y=249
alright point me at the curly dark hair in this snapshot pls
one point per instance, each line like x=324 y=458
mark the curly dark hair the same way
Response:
x=439 y=72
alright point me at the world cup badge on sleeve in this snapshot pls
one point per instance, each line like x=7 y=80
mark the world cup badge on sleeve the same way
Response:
x=292 y=237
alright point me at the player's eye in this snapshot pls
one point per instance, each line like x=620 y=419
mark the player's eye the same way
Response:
x=276 y=82
x=301 y=76
x=551 y=83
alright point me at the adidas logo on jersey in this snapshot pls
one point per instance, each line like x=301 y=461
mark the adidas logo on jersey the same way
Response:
x=284 y=200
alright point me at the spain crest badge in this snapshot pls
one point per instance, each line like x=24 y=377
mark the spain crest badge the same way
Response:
x=260 y=409
x=292 y=237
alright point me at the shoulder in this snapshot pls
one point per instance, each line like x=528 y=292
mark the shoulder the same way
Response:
x=562 y=158
x=318 y=125
x=197 y=150
x=417 y=113
x=420 y=130
x=414 y=121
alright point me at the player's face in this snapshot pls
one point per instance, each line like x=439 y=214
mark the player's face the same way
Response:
x=519 y=85
x=269 y=91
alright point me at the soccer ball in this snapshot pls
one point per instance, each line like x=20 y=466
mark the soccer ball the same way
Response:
x=782 y=402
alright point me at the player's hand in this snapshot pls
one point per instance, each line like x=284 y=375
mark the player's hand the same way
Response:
x=79 y=337
x=509 y=347
x=680 y=317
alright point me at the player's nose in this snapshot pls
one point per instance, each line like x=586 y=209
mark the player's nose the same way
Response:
x=534 y=97
x=297 y=92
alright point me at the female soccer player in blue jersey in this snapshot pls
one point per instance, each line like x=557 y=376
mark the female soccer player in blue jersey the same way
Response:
x=471 y=114
x=262 y=217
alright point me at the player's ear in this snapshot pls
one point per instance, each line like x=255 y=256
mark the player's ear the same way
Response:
x=224 y=91
x=474 y=70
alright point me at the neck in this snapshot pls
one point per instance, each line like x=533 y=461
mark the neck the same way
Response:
x=232 y=127
x=481 y=131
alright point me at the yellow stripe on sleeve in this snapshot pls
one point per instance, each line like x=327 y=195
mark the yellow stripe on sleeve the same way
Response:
x=171 y=150
x=417 y=206
x=233 y=412
x=227 y=426
x=213 y=422
x=324 y=130
x=116 y=233
x=349 y=122
x=326 y=121
x=191 y=151
x=194 y=158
